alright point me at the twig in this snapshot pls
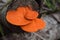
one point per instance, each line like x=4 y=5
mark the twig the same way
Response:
x=39 y=36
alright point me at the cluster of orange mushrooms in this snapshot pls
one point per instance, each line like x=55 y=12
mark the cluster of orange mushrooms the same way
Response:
x=26 y=18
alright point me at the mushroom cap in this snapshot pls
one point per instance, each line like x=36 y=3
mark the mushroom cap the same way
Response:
x=30 y=14
x=35 y=25
x=16 y=17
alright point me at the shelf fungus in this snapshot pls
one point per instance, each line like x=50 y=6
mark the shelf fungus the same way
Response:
x=26 y=18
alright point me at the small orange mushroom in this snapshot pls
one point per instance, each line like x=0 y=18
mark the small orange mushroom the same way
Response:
x=17 y=17
x=35 y=25
x=30 y=14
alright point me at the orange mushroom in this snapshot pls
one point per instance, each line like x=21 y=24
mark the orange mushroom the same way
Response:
x=26 y=18
x=17 y=17
x=30 y=14
x=35 y=25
